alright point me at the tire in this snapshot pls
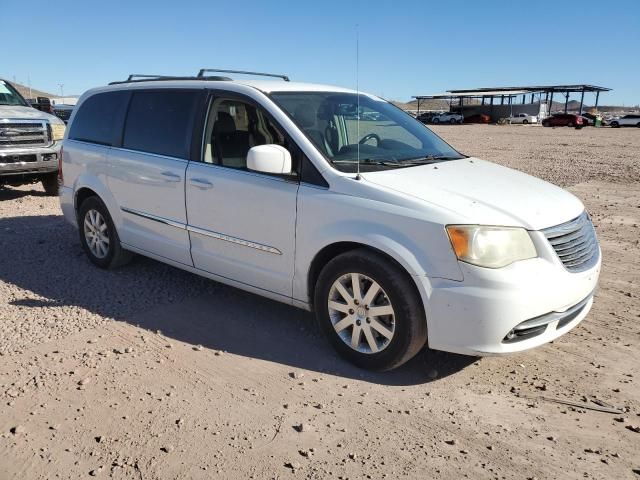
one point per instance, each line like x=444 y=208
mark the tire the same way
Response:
x=638 y=124
x=453 y=121
x=615 y=124
x=525 y=121
x=545 y=124
x=50 y=184
x=570 y=124
x=435 y=120
x=113 y=255
x=397 y=336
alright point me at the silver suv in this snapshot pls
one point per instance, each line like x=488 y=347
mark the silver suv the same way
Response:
x=29 y=142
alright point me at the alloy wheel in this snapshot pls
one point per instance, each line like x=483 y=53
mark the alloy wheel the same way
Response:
x=96 y=233
x=361 y=313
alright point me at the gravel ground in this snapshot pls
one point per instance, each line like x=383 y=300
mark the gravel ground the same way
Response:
x=150 y=372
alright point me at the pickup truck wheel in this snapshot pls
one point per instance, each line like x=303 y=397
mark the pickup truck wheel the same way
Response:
x=525 y=121
x=369 y=310
x=50 y=184
x=98 y=235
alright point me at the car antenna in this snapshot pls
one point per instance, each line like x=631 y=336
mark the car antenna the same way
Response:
x=358 y=177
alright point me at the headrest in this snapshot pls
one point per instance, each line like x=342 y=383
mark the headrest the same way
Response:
x=305 y=115
x=224 y=123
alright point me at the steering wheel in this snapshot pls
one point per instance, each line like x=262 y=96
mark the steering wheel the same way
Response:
x=368 y=137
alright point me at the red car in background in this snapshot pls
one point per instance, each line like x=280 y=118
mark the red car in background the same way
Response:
x=478 y=118
x=563 y=120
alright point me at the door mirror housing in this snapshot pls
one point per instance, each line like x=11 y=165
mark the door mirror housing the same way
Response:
x=269 y=159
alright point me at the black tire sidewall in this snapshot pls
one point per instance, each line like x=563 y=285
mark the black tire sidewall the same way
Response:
x=50 y=184
x=94 y=203
x=410 y=322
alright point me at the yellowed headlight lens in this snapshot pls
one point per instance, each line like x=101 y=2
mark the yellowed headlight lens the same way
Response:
x=57 y=131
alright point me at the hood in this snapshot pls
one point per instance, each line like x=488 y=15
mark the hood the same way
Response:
x=26 y=113
x=481 y=192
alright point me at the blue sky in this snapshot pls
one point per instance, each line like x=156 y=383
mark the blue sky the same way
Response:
x=406 y=47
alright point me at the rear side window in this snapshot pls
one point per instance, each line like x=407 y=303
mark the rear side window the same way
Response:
x=160 y=121
x=99 y=119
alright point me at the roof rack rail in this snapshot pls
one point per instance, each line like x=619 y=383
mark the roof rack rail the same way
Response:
x=275 y=75
x=135 y=78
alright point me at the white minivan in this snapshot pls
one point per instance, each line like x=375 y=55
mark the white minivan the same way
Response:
x=330 y=200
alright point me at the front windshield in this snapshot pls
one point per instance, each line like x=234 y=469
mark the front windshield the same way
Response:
x=9 y=95
x=386 y=137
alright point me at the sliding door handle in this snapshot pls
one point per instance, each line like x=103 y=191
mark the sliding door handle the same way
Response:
x=201 y=183
x=171 y=177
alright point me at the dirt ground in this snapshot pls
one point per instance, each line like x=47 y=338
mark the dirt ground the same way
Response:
x=148 y=372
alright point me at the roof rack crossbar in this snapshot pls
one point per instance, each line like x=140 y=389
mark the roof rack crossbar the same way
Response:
x=275 y=75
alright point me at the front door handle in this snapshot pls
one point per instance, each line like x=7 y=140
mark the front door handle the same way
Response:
x=171 y=177
x=201 y=183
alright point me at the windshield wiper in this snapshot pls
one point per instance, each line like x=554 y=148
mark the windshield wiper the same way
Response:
x=430 y=159
x=368 y=161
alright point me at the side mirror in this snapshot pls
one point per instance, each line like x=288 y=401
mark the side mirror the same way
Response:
x=269 y=159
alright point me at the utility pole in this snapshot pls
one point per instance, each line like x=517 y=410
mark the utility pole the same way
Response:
x=61 y=85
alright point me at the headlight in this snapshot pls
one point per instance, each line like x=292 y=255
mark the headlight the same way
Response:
x=57 y=131
x=491 y=247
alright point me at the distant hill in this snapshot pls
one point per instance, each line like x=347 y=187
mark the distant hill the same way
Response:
x=424 y=105
x=30 y=93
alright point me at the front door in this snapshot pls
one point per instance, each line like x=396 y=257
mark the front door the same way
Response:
x=241 y=223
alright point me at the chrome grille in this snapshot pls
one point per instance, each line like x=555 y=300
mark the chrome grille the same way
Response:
x=24 y=134
x=575 y=243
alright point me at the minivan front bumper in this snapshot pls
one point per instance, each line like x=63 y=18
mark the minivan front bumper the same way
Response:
x=500 y=311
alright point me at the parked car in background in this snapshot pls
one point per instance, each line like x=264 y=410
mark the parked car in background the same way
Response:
x=448 y=117
x=29 y=142
x=427 y=117
x=478 y=118
x=62 y=111
x=631 y=120
x=41 y=103
x=390 y=235
x=523 y=118
x=563 y=120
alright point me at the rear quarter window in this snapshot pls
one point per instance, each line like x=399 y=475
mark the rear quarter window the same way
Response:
x=99 y=118
x=161 y=121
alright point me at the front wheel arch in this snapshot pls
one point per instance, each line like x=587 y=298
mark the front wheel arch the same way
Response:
x=331 y=251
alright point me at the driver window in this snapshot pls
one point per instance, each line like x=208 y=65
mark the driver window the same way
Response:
x=233 y=128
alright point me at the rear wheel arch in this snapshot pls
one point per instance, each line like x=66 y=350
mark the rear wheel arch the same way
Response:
x=82 y=194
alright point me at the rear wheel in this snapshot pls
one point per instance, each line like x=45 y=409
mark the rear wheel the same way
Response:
x=453 y=121
x=570 y=124
x=50 y=184
x=369 y=309
x=98 y=235
x=615 y=124
x=435 y=120
x=525 y=121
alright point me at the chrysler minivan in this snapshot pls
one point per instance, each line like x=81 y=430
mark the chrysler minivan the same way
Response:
x=330 y=200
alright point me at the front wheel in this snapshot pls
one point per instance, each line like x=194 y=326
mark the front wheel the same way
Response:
x=525 y=121
x=370 y=310
x=50 y=184
x=98 y=235
x=435 y=120
x=615 y=124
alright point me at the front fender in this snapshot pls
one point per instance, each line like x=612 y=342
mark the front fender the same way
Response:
x=421 y=247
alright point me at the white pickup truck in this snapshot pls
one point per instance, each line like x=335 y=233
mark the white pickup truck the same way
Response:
x=523 y=118
x=29 y=142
